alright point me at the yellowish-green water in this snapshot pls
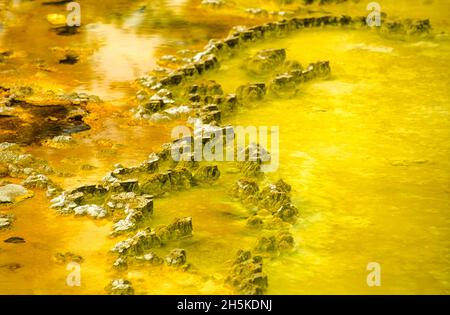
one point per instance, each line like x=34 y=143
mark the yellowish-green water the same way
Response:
x=366 y=152
x=369 y=148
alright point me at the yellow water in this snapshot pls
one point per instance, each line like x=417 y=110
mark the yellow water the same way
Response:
x=366 y=152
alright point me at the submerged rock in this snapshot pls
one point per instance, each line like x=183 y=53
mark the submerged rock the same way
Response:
x=265 y=61
x=159 y=118
x=232 y=42
x=127 y=185
x=178 y=229
x=257 y=12
x=131 y=200
x=94 y=211
x=247 y=275
x=266 y=244
x=120 y=287
x=213 y=3
x=59 y=141
x=5 y=220
x=255 y=222
x=177 y=257
x=124 y=225
x=15 y=240
x=419 y=27
x=39 y=181
x=286 y=84
x=251 y=92
x=4 y=54
x=138 y=243
x=148 y=238
x=274 y=200
x=8 y=146
x=206 y=173
x=87 y=167
x=66 y=202
x=11 y=266
x=85 y=198
x=154 y=105
x=152 y=258
x=69 y=59
x=283 y=241
x=4 y=170
x=91 y=191
x=283 y=83
x=131 y=221
x=121 y=264
x=20 y=164
x=246 y=190
x=210 y=87
x=407 y=27
x=287 y=212
x=273 y=196
x=66 y=30
x=174 y=179
x=254 y=155
x=67 y=257
x=177 y=112
x=41 y=116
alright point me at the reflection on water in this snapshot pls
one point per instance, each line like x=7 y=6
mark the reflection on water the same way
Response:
x=120 y=41
x=123 y=56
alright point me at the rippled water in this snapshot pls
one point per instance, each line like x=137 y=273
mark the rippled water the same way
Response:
x=365 y=150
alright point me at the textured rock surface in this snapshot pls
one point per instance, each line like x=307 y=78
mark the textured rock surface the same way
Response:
x=120 y=287
x=247 y=275
x=15 y=163
x=177 y=257
x=5 y=220
x=265 y=61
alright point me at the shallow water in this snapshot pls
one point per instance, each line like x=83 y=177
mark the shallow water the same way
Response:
x=367 y=154
x=365 y=151
x=118 y=42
